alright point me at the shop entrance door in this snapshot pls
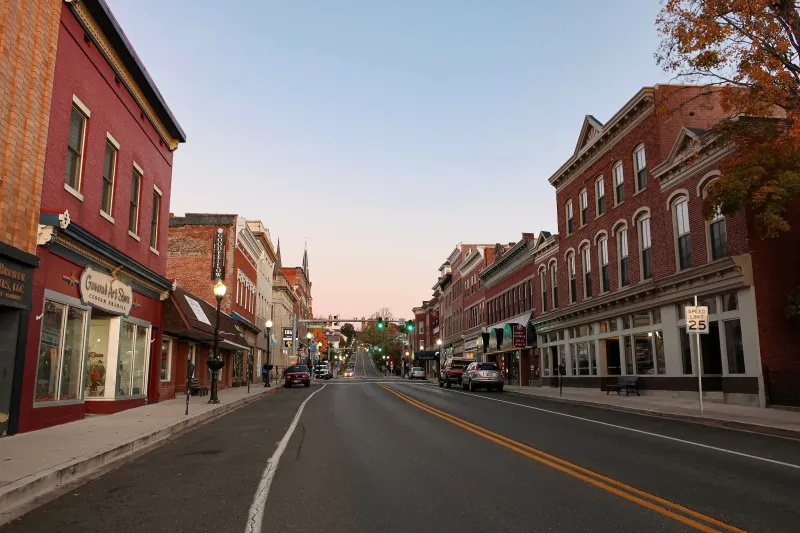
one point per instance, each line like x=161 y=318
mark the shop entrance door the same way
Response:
x=9 y=329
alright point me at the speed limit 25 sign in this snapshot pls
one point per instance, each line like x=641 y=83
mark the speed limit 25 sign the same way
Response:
x=696 y=319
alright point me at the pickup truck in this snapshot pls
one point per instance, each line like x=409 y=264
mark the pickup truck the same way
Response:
x=452 y=370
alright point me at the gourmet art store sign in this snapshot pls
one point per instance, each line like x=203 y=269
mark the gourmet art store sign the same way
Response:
x=106 y=292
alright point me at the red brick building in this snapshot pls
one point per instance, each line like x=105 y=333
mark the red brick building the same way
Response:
x=634 y=248
x=97 y=296
x=299 y=280
x=191 y=242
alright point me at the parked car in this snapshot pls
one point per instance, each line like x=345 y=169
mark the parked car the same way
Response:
x=296 y=375
x=452 y=370
x=486 y=375
x=416 y=373
x=323 y=372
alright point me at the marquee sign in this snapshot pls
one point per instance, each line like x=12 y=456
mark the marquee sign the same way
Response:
x=106 y=292
x=218 y=256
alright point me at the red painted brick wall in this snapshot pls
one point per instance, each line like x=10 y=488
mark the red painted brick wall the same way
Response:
x=240 y=262
x=81 y=70
x=496 y=292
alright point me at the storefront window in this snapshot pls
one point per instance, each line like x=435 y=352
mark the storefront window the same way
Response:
x=686 y=351
x=612 y=324
x=582 y=357
x=593 y=358
x=734 y=346
x=97 y=363
x=658 y=346
x=710 y=302
x=730 y=302
x=61 y=349
x=644 y=354
x=132 y=360
x=561 y=335
x=628 y=355
x=166 y=345
x=656 y=316
x=545 y=363
x=710 y=348
x=573 y=359
x=626 y=322
x=583 y=331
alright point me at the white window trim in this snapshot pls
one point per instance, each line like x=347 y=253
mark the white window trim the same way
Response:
x=581 y=195
x=106 y=215
x=586 y=267
x=134 y=236
x=614 y=183
x=110 y=138
x=620 y=257
x=103 y=213
x=673 y=209
x=636 y=168
x=80 y=105
x=599 y=181
x=158 y=220
x=640 y=237
x=154 y=251
x=86 y=114
x=73 y=192
x=139 y=170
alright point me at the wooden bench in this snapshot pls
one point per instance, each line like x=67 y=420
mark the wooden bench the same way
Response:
x=626 y=383
x=196 y=389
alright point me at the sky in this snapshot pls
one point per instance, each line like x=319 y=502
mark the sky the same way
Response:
x=382 y=133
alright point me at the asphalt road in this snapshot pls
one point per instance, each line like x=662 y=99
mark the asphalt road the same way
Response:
x=386 y=455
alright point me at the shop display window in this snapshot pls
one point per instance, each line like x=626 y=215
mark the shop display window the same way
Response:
x=61 y=352
x=97 y=361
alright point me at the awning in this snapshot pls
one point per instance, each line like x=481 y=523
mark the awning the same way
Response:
x=239 y=318
x=524 y=318
x=225 y=343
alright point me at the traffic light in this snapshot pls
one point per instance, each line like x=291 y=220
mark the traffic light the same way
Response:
x=380 y=323
x=380 y=350
x=409 y=326
x=330 y=320
x=335 y=320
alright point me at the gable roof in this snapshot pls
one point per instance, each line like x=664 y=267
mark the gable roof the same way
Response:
x=590 y=131
x=183 y=321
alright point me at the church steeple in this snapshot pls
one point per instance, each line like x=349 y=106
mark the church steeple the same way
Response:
x=305 y=260
x=277 y=258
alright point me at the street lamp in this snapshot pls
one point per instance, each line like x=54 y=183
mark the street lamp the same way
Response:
x=439 y=357
x=310 y=336
x=215 y=363
x=268 y=325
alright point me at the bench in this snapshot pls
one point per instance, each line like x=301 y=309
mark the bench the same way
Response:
x=196 y=389
x=627 y=383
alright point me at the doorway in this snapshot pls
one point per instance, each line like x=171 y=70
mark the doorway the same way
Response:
x=613 y=362
x=9 y=331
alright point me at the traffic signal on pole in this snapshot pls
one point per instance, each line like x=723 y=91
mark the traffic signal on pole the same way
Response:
x=409 y=326
x=330 y=320
x=380 y=323
x=335 y=320
x=380 y=350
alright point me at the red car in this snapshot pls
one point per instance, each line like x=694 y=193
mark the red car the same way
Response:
x=295 y=375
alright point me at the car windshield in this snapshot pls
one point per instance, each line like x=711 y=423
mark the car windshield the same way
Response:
x=297 y=368
x=487 y=366
x=417 y=369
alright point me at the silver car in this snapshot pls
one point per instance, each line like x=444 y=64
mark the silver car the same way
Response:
x=416 y=373
x=482 y=375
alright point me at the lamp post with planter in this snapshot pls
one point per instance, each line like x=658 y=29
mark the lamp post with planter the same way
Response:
x=267 y=332
x=215 y=363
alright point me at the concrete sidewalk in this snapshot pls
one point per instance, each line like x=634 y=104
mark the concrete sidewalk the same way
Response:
x=38 y=463
x=779 y=422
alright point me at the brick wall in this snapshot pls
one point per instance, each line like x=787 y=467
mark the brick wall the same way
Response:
x=189 y=261
x=28 y=38
x=81 y=70
x=240 y=262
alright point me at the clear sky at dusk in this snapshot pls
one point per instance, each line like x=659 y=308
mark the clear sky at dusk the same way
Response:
x=385 y=131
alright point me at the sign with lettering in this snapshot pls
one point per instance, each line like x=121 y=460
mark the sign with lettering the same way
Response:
x=287 y=334
x=518 y=336
x=218 y=255
x=106 y=292
x=696 y=319
x=14 y=284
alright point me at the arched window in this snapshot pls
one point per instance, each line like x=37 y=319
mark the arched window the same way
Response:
x=716 y=232
x=584 y=204
x=572 y=282
x=586 y=264
x=543 y=286
x=602 y=256
x=683 y=235
x=554 y=282
x=600 y=194
x=645 y=247
x=619 y=183
x=622 y=257
x=570 y=218
x=640 y=167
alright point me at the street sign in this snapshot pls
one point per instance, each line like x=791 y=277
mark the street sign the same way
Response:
x=696 y=319
x=315 y=326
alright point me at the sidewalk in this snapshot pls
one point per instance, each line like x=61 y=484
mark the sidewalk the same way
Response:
x=38 y=462
x=767 y=421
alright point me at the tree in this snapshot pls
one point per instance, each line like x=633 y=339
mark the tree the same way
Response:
x=349 y=332
x=321 y=336
x=750 y=51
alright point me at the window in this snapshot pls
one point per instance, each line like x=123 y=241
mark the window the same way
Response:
x=584 y=199
x=622 y=248
x=136 y=189
x=600 y=192
x=681 y=214
x=572 y=283
x=554 y=284
x=641 y=169
x=59 y=370
x=166 y=359
x=109 y=173
x=543 y=283
x=718 y=236
x=619 y=184
x=421 y=327
x=586 y=259
x=734 y=346
x=75 y=146
x=686 y=351
x=154 y=220
x=602 y=252
x=570 y=226
x=645 y=245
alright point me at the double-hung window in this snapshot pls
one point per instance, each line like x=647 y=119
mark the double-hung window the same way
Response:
x=683 y=234
x=109 y=175
x=586 y=259
x=584 y=199
x=622 y=254
x=75 y=146
x=600 y=193
x=641 y=169
x=572 y=282
x=136 y=191
x=645 y=245
x=602 y=252
x=570 y=218
x=619 y=184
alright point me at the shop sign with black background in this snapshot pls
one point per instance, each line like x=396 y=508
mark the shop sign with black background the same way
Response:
x=16 y=284
x=218 y=256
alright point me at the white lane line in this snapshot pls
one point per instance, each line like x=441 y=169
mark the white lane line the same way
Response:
x=641 y=432
x=256 y=513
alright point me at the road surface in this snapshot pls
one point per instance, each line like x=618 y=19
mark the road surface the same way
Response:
x=381 y=454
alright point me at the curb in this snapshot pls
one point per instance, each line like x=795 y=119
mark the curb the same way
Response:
x=695 y=419
x=23 y=492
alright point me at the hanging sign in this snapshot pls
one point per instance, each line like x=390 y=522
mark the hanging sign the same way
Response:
x=218 y=256
x=518 y=332
x=106 y=292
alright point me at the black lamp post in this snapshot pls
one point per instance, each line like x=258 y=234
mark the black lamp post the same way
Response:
x=268 y=324
x=215 y=363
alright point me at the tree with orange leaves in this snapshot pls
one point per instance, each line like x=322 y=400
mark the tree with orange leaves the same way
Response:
x=751 y=49
x=321 y=336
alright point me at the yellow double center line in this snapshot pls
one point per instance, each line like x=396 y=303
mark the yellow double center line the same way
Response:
x=667 y=508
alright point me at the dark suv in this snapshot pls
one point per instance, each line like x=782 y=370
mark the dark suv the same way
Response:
x=452 y=370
